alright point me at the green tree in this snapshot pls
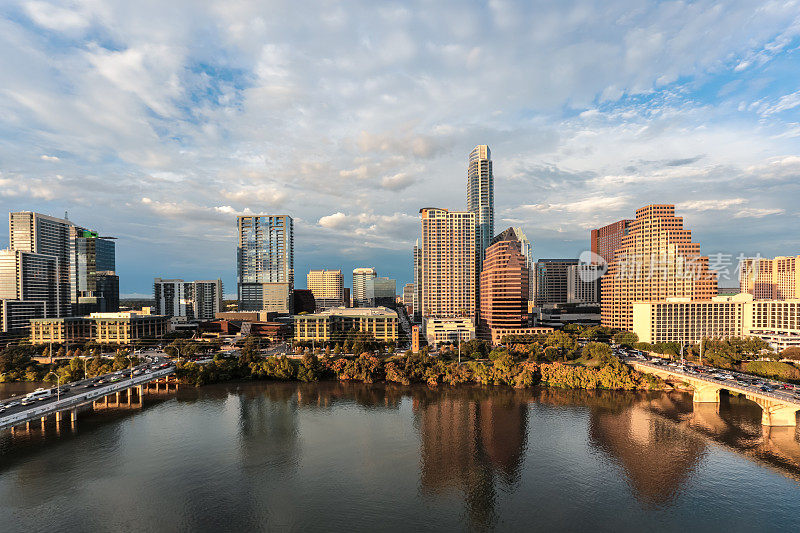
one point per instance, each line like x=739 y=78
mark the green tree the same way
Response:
x=626 y=338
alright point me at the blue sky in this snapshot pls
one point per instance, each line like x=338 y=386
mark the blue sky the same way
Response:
x=159 y=122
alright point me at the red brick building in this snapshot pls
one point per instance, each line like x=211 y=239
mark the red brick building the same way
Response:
x=608 y=239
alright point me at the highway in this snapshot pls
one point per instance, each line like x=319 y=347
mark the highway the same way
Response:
x=68 y=396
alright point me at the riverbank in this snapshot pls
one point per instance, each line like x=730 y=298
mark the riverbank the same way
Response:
x=609 y=374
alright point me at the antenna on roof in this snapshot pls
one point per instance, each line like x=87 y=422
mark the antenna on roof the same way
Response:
x=66 y=215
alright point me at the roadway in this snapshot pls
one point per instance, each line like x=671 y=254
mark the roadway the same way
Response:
x=18 y=410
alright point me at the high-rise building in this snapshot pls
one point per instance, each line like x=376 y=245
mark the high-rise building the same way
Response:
x=583 y=283
x=362 y=281
x=417 y=303
x=480 y=197
x=657 y=260
x=408 y=295
x=550 y=280
x=448 y=258
x=173 y=297
x=28 y=288
x=504 y=289
x=608 y=239
x=92 y=272
x=195 y=300
x=46 y=235
x=770 y=279
x=382 y=292
x=265 y=255
x=327 y=287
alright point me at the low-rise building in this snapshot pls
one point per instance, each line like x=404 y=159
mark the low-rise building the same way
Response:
x=499 y=333
x=333 y=325
x=112 y=328
x=440 y=331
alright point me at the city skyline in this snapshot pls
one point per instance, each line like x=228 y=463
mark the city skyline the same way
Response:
x=590 y=112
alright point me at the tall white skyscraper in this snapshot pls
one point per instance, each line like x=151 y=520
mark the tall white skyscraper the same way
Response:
x=480 y=197
x=265 y=262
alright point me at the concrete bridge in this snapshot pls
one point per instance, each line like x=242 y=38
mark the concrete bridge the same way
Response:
x=777 y=408
x=79 y=396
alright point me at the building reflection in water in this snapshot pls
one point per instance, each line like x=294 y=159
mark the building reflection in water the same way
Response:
x=471 y=439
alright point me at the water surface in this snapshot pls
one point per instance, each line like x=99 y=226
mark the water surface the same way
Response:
x=352 y=457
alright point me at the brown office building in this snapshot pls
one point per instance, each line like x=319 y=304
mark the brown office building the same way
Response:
x=608 y=239
x=657 y=260
x=504 y=285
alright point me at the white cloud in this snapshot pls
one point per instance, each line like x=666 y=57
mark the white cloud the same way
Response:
x=49 y=158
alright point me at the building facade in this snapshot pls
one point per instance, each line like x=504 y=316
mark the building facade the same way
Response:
x=327 y=286
x=480 y=197
x=417 y=302
x=439 y=331
x=608 y=239
x=382 y=292
x=29 y=289
x=657 y=260
x=362 y=281
x=550 y=280
x=265 y=255
x=111 y=328
x=334 y=325
x=682 y=320
x=504 y=288
x=448 y=261
x=194 y=300
x=583 y=283
x=94 y=285
x=770 y=279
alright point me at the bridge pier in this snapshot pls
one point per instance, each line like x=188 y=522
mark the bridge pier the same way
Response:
x=775 y=413
x=705 y=392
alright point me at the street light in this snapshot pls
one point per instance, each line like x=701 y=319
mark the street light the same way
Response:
x=58 y=385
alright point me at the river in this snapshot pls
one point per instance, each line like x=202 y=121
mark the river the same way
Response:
x=352 y=457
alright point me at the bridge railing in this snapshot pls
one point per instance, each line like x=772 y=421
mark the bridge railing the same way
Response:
x=76 y=401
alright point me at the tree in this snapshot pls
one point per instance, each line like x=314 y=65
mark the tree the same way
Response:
x=626 y=338
x=791 y=353
x=597 y=350
x=564 y=343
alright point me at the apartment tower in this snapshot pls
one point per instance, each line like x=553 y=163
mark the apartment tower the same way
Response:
x=447 y=259
x=504 y=289
x=770 y=279
x=657 y=260
x=480 y=196
x=265 y=263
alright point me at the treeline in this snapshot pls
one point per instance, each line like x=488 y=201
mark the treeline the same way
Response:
x=505 y=370
x=16 y=364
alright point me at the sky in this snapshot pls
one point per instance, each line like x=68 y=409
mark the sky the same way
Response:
x=159 y=122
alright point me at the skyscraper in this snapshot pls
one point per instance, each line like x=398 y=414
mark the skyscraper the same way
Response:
x=657 y=260
x=448 y=263
x=327 y=287
x=92 y=271
x=362 y=281
x=608 y=239
x=265 y=263
x=480 y=196
x=504 y=285
x=46 y=235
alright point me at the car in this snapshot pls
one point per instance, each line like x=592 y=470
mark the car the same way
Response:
x=764 y=388
x=26 y=401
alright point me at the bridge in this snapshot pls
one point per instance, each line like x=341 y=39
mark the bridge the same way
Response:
x=80 y=393
x=777 y=408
